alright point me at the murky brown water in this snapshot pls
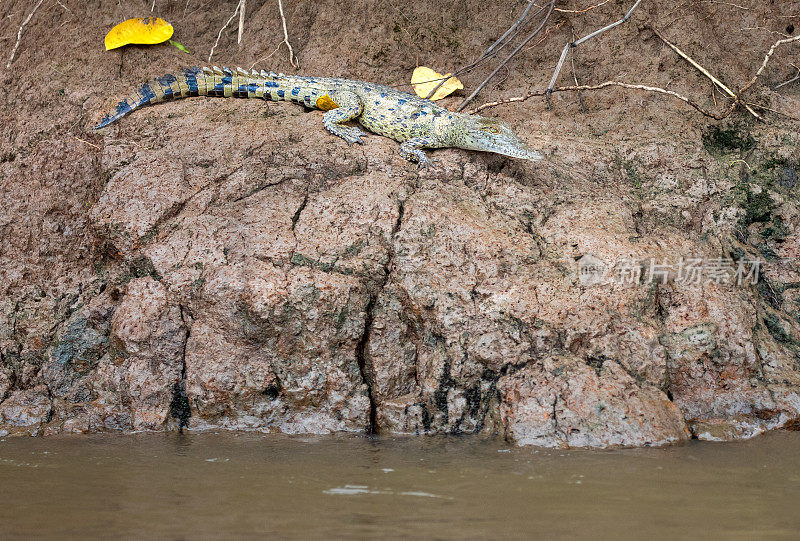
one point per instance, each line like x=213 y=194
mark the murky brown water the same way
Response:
x=228 y=485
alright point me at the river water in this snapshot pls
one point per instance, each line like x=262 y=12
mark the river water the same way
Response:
x=246 y=485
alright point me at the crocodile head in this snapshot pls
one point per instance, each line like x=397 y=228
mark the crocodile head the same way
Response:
x=491 y=135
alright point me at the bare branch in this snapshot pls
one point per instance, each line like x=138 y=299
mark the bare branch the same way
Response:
x=508 y=58
x=19 y=33
x=568 y=46
x=243 y=5
x=221 y=30
x=493 y=49
x=790 y=81
x=716 y=81
x=292 y=57
x=607 y=84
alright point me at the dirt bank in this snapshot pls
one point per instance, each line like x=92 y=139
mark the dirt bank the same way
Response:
x=228 y=263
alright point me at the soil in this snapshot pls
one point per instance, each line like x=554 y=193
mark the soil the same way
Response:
x=217 y=263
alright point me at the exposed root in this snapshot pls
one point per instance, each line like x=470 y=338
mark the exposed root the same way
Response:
x=790 y=81
x=292 y=57
x=570 y=45
x=605 y=84
x=737 y=100
x=713 y=79
x=221 y=30
x=766 y=60
x=242 y=5
x=19 y=33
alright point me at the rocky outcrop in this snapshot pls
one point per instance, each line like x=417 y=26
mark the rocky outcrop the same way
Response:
x=256 y=273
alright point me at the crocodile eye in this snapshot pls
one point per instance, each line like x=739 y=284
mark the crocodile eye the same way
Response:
x=491 y=129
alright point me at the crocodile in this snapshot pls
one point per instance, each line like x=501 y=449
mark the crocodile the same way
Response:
x=414 y=122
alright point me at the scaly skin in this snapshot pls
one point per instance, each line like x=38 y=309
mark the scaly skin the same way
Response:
x=415 y=122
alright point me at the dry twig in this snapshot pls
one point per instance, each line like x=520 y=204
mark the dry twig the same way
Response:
x=270 y=55
x=716 y=81
x=782 y=113
x=292 y=57
x=86 y=142
x=508 y=58
x=590 y=8
x=539 y=41
x=766 y=60
x=221 y=30
x=19 y=33
x=728 y=4
x=790 y=81
x=748 y=28
x=493 y=49
x=243 y=5
x=568 y=46
x=605 y=84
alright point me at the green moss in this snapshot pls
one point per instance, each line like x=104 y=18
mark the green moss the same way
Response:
x=142 y=266
x=630 y=170
x=770 y=292
x=721 y=141
x=777 y=331
x=355 y=248
x=757 y=207
x=303 y=261
x=777 y=230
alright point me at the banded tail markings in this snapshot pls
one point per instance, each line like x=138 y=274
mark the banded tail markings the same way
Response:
x=219 y=82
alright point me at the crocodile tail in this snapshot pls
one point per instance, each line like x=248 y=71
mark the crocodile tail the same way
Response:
x=222 y=82
x=170 y=86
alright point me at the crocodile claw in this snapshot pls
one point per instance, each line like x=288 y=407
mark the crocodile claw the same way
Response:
x=352 y=135
x=426 y=164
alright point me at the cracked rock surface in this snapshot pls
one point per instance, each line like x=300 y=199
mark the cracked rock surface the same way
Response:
x=226 y=264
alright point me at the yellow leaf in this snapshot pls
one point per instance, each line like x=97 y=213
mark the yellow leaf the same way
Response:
x=425 y=79
x=145 y=31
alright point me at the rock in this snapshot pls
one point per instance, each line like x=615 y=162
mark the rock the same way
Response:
x=6 y=381
x=228 y=264
x=562 y=402
x=148 y=337
x=24 y=412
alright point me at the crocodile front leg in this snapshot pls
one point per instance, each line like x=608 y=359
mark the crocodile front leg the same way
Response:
x=410 y=150
x=348 y=107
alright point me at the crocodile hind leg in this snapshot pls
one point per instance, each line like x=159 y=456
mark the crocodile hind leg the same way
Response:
x=347 y=107
x=411 y=151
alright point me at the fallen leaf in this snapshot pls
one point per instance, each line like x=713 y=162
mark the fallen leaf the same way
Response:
x=425 y=79
x=142 y=31
x=180 y=46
